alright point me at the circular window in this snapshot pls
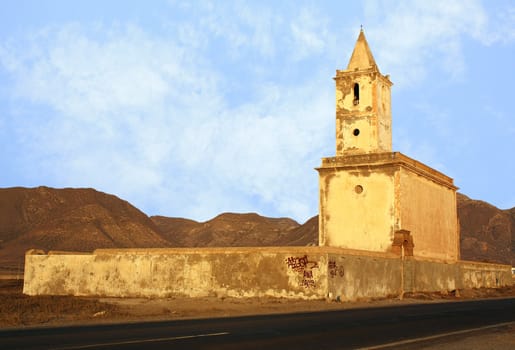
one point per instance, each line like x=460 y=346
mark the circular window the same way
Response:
x=356 y=132
x=358 y=189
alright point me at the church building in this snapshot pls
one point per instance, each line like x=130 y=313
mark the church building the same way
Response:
x=374 y=199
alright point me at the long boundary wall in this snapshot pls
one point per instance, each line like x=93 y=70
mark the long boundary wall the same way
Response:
x=284 y=272
x=234 y=272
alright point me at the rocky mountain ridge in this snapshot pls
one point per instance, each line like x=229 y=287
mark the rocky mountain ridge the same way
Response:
x=85 y=219
x=486 y=232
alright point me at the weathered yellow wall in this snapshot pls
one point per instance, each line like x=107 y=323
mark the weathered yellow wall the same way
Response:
x=352 y=220
x=286 y=272
x=428 y=210
x=235 y=272
x=353 y=277
x=475 y=274
x=360 y=276
x=431 y=276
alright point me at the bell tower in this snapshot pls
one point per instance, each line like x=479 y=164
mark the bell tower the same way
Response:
x=363 y=109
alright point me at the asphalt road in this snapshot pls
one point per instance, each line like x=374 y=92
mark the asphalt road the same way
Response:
x=346 y=329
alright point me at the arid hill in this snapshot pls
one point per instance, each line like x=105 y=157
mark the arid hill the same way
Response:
x=227 y=230
x=85 y=219
x=69 y=219
x=487 y=233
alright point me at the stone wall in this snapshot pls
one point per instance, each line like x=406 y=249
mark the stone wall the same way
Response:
x=356 y=276
x=475 y=274
x=284 y=272
x=430 y=276
x=196 y=272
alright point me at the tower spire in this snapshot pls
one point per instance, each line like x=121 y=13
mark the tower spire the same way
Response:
x=361 y=56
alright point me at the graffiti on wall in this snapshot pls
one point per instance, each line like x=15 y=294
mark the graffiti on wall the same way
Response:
x=304 y=267
x=335 y=270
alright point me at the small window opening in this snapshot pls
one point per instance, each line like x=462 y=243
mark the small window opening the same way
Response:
x=356 y=94
x=355 y=132
x=358 y=189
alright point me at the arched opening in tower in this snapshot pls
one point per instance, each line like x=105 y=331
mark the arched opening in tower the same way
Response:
x=356 y=93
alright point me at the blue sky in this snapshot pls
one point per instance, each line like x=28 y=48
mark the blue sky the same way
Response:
x=192 y=109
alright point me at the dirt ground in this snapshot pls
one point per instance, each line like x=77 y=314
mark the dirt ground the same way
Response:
x=18 y=310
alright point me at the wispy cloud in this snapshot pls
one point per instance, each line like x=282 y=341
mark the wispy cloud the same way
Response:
x=310 y=33
x=147 y=119
x=501 y=26
x=410 y=34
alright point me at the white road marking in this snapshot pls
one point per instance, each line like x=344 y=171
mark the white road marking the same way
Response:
x=443 y=335
x=141 y=341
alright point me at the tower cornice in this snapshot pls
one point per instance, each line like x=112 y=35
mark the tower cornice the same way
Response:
x=374 y=160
